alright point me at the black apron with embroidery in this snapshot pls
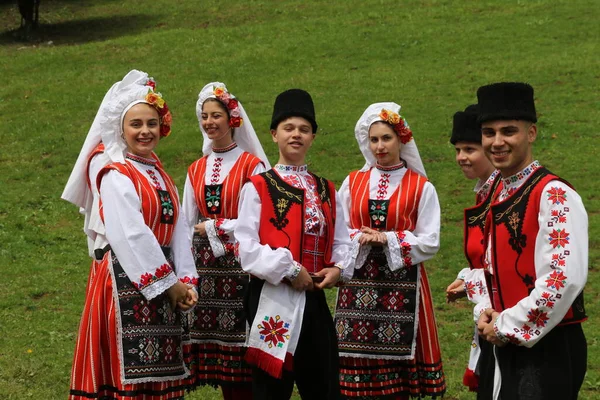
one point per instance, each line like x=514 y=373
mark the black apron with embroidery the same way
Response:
x=219 y=316
x=150 y=331
x=376 y=310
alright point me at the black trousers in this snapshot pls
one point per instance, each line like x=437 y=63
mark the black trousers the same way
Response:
x=553 y=368
x=316 y=360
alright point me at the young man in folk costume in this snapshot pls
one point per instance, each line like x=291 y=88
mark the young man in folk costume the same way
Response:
x=293 y=241
x=384 y=316
x=470 y=282
x=536 y=261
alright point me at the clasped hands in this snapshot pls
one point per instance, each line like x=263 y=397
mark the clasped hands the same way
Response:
x=485 y=327
x=182 y=296
x=372 y=237
x=304 y=280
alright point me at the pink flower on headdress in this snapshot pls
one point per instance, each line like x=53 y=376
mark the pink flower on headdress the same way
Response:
x=232 y=105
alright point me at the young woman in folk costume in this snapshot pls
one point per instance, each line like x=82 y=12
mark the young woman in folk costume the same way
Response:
x=384 y=316
x=232 y=154
x=130 y=336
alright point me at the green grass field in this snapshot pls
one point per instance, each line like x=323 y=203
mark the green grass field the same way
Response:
x=430 y=56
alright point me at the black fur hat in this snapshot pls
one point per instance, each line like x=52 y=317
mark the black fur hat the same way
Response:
x=506 y=101
x=465 y=126
x=294 y=103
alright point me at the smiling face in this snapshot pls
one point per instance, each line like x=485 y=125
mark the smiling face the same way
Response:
x=293 y=136
x=215 y=122
x=141 y=129
x=508 y=144
x=384 y=144
x=472 y=160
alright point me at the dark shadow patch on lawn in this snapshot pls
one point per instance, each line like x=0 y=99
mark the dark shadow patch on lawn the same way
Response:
x=81 y=31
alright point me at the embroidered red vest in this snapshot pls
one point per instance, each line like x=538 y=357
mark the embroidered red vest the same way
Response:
x=474 y=229
x=403 y=205
x=282 y=213
x=155 y=205
x=513 y=226
x=230 y=188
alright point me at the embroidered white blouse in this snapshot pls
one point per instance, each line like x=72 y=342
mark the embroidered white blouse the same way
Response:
x=423 y=241
x=273 y=265
x=132 y=240
x=218 y=165
x=561 y=262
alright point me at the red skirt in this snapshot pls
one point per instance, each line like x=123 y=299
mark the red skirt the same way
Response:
x=419 y=377
x=96 y=371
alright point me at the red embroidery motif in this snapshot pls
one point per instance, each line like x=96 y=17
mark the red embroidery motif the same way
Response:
x=558 y=217
x=216 y=170
x=512 y=339
x=155 y=180
x=470 y=289
x=547 y=300
x=556 y=280
x=557 y=195
x=538 y=317
x=273 y=331
x=382 y=186
x=188 y=280
x=559 y=238
x=558 y=260
x=148 y=278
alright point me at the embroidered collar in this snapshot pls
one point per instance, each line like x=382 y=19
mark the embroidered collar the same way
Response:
x=232 y=146
x=515 y=181
x=291 y=169
x=142 y=160
x=483 y=187
x=391 y=167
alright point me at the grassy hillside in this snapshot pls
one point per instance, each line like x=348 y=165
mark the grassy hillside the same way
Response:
x=430 y=56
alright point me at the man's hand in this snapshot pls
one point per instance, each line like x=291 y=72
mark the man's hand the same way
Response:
x=455 y=291
x=485 y=327
x=303 y=281
x=332 y=276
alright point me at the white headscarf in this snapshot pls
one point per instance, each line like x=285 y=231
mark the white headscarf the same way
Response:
x=408 y=152
x=245 y=136
x=107 y=129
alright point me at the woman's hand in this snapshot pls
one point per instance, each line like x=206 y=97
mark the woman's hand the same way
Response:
x=200 y=229
x=372 y=237
x=177 y=294
x=190 y=300
x=455 y=291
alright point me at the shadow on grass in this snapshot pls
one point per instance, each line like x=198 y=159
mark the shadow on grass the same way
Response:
x=81 y=31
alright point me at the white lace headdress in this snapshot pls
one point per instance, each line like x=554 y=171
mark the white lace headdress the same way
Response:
x=245 y=136
x=388 y=112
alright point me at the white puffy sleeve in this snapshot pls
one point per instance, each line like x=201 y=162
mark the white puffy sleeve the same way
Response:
x=561 y=266
x=131 y=240
x=421 y=244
